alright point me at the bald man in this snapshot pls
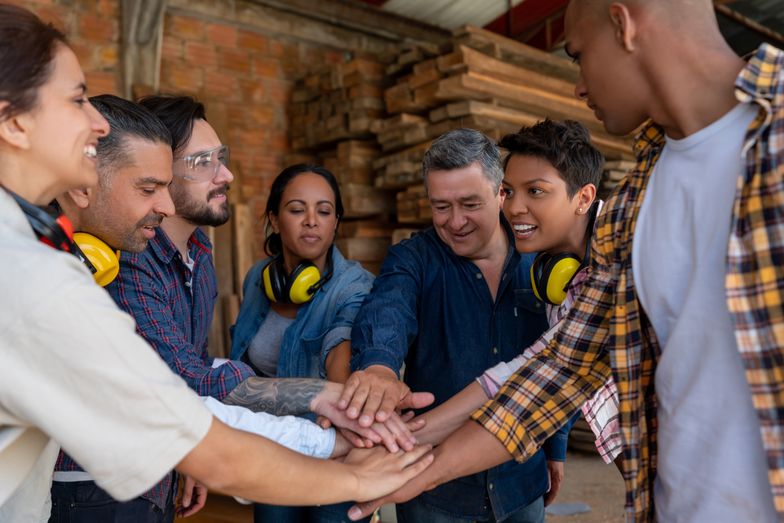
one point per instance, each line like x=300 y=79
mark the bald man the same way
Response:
x=683 y=306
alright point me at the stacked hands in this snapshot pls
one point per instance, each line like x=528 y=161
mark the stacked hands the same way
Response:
x=367 y=412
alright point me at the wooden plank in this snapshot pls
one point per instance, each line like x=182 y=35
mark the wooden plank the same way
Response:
x=216 y=339
x=476 y=86
x=242 y=241
x=487 y=65
x=363 y=249
x=365 y=228
x=362 y=200
x=231 y=309
x=222 y=255
x=516 y=52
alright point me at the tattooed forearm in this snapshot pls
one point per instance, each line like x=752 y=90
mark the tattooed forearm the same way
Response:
x=282 y=397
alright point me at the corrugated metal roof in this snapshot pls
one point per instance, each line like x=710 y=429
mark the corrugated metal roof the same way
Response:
x=450 y=14
x=529 y=17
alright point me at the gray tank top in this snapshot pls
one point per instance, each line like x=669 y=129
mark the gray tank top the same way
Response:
x=264 y=349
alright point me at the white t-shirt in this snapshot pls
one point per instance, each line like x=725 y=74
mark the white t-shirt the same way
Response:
x=711 y=463
x=74 y=369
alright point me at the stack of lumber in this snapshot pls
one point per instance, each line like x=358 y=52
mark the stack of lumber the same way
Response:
x=413 y=206
x=614 y=172
x=365 y=241
x=337 y=102
x=486 y=82
x=362 y=235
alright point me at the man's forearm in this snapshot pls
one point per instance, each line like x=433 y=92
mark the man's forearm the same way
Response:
x=468 y=450
x=278 y=396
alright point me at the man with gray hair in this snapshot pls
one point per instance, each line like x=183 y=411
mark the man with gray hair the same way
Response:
x=450 y=302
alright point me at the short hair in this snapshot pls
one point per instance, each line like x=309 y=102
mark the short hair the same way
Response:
x=273 y=244
x=565 y=144
x=126 y=119
x=178 y=114
x=27 y=50
x=460 y=148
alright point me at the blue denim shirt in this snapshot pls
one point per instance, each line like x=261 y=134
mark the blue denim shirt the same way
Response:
x=433 y=310
x=320 y=325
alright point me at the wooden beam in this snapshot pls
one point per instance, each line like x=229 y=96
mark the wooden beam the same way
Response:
x=142 y=29
x=748 y=23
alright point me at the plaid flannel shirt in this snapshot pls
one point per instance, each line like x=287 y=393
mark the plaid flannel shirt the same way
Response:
x=173 y=309
x=601 y=411
x=606 y=332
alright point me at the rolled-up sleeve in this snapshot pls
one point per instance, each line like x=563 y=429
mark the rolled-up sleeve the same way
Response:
x=387 y=323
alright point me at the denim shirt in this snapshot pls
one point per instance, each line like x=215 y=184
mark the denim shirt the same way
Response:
x=320 y=325
x=433 y=310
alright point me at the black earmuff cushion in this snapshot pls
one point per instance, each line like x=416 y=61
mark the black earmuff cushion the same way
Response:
x=538 y=280
x=277 y=279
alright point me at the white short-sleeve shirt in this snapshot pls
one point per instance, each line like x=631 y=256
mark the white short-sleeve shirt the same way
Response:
x=73 y=370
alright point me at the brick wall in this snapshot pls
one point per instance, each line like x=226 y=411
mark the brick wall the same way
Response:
x=241 y=62
x=93 y=30
x=245 y=78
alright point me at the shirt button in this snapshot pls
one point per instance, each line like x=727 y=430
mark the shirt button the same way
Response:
x=490 y=486
x=478 y=275
x=495 y=351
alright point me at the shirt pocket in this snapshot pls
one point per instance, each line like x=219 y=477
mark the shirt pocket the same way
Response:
x=527 y=302
x=312 y=355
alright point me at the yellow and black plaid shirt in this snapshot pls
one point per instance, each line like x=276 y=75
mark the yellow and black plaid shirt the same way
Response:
x=606 y=331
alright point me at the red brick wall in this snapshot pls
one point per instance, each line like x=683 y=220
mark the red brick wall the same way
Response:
x=93 y=30
x=245 y=80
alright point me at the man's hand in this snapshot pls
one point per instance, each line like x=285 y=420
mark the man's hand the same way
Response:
x=393 y=433
x=555 y=469
x=379 y=472
x=194 y=496
x=375 y=393
x=386 y=431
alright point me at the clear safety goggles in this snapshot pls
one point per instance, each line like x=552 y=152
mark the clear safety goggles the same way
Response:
x=204 y=165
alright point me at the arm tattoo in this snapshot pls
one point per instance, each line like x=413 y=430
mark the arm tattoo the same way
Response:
x=281 y=397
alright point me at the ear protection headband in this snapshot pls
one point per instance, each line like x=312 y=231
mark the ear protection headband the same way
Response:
x=552 y=273
x=297 y=287
x=57 y=232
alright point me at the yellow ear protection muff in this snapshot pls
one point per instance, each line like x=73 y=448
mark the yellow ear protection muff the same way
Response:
x=297 y=287
x=103 y=261
x=57 y=232
x=552 y=273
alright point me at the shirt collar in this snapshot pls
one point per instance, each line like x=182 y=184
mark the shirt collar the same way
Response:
x=760 y=79
x=165 y=250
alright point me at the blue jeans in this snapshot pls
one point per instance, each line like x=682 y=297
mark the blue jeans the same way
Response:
x=337 y=513
x=86 y=502
x=415 y=511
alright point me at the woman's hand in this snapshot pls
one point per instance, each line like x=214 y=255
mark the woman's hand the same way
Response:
x=379 y=472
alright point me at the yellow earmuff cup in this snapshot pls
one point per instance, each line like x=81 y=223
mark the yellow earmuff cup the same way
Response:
x=304 y=281
x=560 y=275
x=105 y=260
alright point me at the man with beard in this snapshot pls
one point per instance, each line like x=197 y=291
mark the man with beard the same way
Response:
x=131 y=199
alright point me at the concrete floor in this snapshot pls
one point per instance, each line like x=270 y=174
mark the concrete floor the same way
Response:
x=588 y=480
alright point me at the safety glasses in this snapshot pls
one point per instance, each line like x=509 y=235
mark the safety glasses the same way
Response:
x=202 y=166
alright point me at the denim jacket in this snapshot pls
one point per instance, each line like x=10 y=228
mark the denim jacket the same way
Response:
x=433 y=310
x=320 y=325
